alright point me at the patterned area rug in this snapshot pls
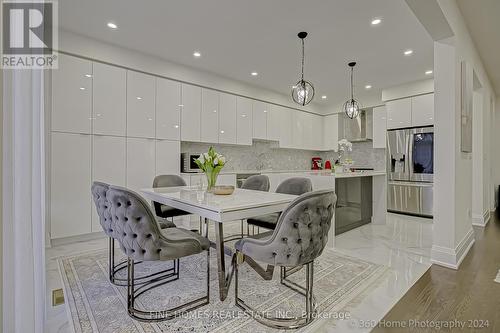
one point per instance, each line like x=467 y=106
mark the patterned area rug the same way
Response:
x=96 y=305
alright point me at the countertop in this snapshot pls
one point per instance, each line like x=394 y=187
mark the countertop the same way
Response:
x=325 y=173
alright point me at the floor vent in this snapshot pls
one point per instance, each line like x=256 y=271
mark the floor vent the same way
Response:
x=57 y=297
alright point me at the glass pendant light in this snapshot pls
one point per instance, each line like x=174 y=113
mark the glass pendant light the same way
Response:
x=352 y=107
x=302 y=91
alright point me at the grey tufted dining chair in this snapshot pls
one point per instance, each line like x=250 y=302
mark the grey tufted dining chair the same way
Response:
x=300 y=236
x=294 y=186
x=254 y=183
x=99 y=195
x=140 y=238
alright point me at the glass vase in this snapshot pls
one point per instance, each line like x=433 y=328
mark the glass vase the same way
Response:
x=211 y=180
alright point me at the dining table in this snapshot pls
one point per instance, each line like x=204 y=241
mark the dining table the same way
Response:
x=220 y=209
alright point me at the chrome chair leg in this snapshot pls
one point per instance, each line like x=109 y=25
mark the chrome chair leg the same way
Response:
x=160 y=315
x=114 y=269
x=283 y=322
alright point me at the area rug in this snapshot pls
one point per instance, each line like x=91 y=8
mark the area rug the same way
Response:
x=96 y=305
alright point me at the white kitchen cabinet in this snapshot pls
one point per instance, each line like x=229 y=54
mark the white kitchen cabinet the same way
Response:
x=331 y=132
x=379 y=127
x=298 y=129
x=72 y=95
x=209 y=116
x=317 y=132
x=70 y=195
x=140 y=163
x=108 y=165
x=422 y=110
x=110 y=108
x=286 y=128
x=140 y=105
x=259 y=111
x=274 y=117
x=168 y=112
x=227 y=119
x=244 y=121
x=399 y=113
x=168 y=157
x=191 y=113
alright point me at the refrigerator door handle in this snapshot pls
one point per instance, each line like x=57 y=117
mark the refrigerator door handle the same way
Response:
x=409 y=140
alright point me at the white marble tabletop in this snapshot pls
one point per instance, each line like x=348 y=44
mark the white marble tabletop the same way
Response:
x=241 y=204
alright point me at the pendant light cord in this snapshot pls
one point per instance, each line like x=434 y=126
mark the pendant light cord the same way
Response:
x=352 y=85
x=302 y=59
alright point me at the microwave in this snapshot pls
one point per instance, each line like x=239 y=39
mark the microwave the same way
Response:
x=187 y=162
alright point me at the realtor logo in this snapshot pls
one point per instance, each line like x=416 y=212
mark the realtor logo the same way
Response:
x=29 y=34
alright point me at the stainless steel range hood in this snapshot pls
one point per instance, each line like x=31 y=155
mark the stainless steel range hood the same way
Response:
x=358 y=129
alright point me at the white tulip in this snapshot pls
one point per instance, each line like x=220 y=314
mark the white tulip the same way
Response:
x=201 y=159
x=222 y=160
x=216 y=161
x=206 y=156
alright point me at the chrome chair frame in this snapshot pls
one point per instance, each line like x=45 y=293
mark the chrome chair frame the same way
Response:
x=306 y=291
x=160 y=315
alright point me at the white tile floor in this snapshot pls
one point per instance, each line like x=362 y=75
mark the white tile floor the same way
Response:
x=403 y=244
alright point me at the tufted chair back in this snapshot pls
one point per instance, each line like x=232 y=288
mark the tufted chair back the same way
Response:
x=295 y=186
x=256 y=183
x=301 y=232
x=138 y=232
x=99 y=192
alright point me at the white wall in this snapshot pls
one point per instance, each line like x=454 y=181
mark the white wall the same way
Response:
x=408 y=89
x=453 y=234
x=495 y=155
x=84 y=46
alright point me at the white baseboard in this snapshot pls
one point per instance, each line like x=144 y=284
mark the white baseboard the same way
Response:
x=79 y=238
x=452 y=258
x=481 y=220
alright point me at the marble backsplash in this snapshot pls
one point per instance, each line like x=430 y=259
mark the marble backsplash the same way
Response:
x=264 y=155
x=363 y=155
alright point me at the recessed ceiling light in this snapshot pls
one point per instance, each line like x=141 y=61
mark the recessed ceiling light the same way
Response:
x=88 y=75
x=376 y=21
x=254 y=73
x=176 y=126
x=408 y=52
x=429 y=72
x=368 y=86
x=222 y=132
x=323 y=97
x=112 y=25
x=181 y=105
x=139 y=98
x=82 y=88
x=150 y=119
x=197 y=54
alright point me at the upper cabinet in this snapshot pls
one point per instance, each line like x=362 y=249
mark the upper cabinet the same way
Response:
x=286 y=128
x=227 y=118
x=331 y=132
x=379 y=126
x=274 y=122
x=168 y=114
x=317 y=132
x=191 y=113
x=260 y=110
x=422 y=110
x=110 y=91
x=244 y=122
x=140 y=105
x=209 y=116
x=72 y=95
x=399 y=113
x=411 y=112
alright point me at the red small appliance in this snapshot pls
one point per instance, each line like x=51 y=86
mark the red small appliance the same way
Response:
x=328 y=165
x=317 y=163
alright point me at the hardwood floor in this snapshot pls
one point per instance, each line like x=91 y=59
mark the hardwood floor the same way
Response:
x=467 y=296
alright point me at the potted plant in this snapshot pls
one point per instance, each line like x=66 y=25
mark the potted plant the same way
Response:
x=211 y=163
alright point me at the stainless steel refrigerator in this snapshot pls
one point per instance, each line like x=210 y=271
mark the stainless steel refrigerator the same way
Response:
x=410 y=171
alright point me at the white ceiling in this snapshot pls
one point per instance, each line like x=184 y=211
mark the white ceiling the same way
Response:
x=483 y=21
x=238 y=37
